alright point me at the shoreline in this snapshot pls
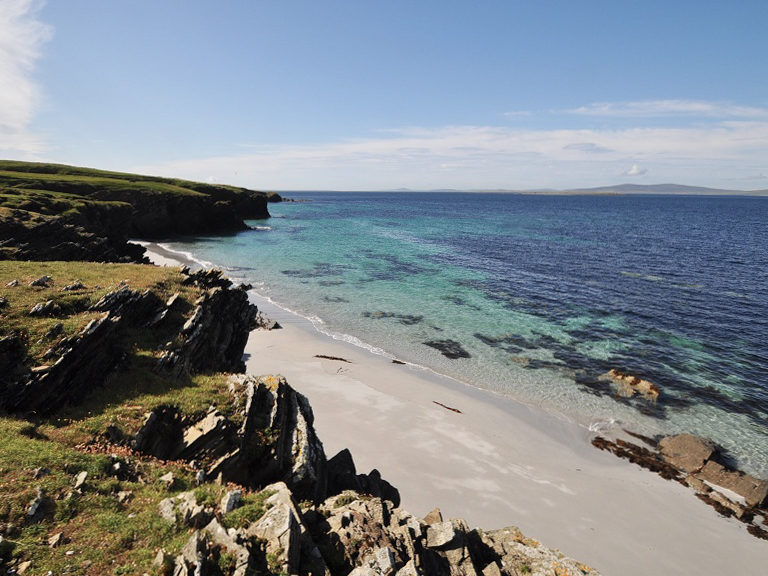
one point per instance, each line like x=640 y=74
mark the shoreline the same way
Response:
x=495 y=462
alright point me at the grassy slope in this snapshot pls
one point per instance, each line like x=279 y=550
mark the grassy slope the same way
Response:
x=104 y=535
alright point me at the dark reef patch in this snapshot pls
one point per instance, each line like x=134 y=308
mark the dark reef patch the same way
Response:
x=449 y=348
x=407 y=319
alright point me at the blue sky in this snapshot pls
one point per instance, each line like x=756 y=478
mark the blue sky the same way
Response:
x=351 y=95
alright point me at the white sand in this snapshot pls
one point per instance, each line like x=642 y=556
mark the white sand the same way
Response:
x=499 y=463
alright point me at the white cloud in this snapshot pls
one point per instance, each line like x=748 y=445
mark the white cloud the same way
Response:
x=661 y=108
x=492 y=157
x=635 y=171
x=21 y=37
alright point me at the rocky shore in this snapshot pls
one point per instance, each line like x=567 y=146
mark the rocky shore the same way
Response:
x=134 y=442
x=255 y=493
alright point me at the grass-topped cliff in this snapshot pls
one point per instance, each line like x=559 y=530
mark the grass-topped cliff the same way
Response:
x=57 y=212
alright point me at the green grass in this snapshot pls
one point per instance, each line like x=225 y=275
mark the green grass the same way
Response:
x=252 y=508
x=99 y=280
x=104 y=535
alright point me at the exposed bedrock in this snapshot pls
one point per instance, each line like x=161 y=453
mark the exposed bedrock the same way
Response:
x=212 y=339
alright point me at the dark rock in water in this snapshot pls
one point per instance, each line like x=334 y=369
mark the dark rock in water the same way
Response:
x=449 y=348
x=407 y=319
x=510 y=342
x=335 y=299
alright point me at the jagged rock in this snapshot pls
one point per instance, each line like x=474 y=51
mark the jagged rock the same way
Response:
x=161 y=433
x=275 y=441
x=207 y=342
x=43 y=281
x=434 y=517
x=440 y=534
x=168 y=480
x=55 y=331
x=12 y=284
x=230 y=501
x=206 y=278
x=124 y=496
x=80 y=480
x=687 y=452
x=56 y=540
x=265 y=323
x=44 y=308
x=242 y=554
x=40 y=472
x=508 y=551
x=194 y=559
x=754 y=491
x=184 y=508
x=85 y=360
x=342 y=475
x=35 y=507
x=74 y=286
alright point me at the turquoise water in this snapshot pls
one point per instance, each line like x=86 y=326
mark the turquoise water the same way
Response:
x=539 y=296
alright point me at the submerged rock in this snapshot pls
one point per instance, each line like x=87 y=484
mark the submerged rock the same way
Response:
x=449 y=348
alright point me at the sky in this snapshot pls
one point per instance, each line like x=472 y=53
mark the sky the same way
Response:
x=364 y=95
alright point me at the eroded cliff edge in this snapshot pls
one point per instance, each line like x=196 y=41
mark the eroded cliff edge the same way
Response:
x=57 y=212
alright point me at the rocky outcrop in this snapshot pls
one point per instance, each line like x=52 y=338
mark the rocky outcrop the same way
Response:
x=627 y=385
x=26 y=236
x=212 y=339
x=342 y=476
x=696 y=462
x=351 y=534
x=99 y=211
x=268 y=438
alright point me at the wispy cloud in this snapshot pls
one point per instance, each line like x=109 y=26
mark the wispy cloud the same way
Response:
x=492 y=157
x=667 y=108
x=21 y=38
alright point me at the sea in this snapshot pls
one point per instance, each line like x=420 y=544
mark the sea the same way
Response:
x=538 y=297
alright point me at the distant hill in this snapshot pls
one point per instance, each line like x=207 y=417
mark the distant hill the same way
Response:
x=618 y=189
x=662 y=189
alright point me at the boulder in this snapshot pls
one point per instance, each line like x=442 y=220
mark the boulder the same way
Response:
x=687 y=452
x=753 y=490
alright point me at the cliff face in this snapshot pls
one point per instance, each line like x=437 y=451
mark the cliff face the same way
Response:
x=127 y=448
x=49 y=211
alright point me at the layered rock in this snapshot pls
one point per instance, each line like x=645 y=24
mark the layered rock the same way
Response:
x=268 y=438
x=696 y=462
x=212 y=339
x=352 y=534
x=26 y=236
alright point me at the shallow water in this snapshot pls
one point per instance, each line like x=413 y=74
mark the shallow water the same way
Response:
x=544 y=294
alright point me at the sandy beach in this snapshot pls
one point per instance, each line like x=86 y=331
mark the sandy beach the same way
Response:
x=493 y=461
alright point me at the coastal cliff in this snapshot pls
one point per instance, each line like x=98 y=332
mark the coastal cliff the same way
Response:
x=132 y=448
x=56 y=212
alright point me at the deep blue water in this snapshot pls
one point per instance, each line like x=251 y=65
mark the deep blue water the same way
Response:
x=544 y=294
